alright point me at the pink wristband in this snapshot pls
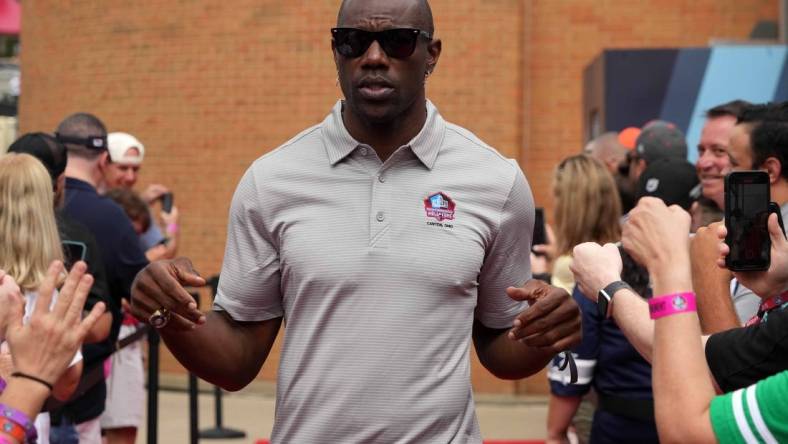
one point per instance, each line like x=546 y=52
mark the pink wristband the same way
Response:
x=671 y=304
x=172 y=228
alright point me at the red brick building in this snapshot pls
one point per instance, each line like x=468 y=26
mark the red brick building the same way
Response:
x=209 y=86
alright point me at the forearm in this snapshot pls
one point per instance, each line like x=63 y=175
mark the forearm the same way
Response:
x=560 y=412
x=681 y=379
x=715 y=306
x=222 y=351
x=507 y=358
x=630 y=311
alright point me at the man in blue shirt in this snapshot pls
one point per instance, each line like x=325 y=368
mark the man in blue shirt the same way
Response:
x=85 y=137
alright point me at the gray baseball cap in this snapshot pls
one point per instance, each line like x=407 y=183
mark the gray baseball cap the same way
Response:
x=661 y=140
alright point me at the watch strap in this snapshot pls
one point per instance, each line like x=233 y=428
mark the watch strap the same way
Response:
x=608 y=292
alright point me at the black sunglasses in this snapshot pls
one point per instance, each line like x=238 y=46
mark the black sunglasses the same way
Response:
x=398 y=43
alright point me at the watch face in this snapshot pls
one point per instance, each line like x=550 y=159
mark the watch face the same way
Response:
x=602 y=302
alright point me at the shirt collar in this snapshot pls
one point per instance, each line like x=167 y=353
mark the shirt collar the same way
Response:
x=81 y=184
x=339 y=143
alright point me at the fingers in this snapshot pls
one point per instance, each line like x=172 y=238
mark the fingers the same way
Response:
x=74 y=310
x=90 y=320
x=722 y=232
x=532 y=290
x=152 y=295
x=47 y=288
x=775 y=232
x=66 y=294
x=544 y=316
x=724 y=250
x=561 y=337
x=187 y=275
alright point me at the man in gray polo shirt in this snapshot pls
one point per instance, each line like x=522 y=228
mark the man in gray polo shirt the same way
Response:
x=387 y=238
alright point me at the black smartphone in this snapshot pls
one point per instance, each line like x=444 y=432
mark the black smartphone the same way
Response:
x=166 y=202
x=540 y=235
x=73 y=251
x=746 y=215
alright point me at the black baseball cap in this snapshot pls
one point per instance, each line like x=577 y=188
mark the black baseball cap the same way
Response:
x=45 y=148
x=97 y=143
x=670 y=179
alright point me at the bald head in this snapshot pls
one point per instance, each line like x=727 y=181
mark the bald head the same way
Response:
x=418 y=12
x=608 y=149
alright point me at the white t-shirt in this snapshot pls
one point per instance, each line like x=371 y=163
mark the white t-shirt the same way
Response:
x=42 y=420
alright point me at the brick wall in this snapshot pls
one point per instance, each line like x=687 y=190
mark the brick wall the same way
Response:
x=209 y=86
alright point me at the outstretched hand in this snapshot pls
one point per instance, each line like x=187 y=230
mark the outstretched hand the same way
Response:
x=45 y=346
x=160 y=285
x=551 y=322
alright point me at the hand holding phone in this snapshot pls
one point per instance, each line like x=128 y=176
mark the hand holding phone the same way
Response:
x=167 y=200
x=746 y=215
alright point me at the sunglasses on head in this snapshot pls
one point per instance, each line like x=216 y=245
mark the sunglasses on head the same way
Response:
x=398 y=43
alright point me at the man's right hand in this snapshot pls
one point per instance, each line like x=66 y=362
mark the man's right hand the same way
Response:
x=160 y=285
x=595 y=266
x=763 y=283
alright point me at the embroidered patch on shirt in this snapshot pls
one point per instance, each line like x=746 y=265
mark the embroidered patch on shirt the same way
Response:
x=439 y=206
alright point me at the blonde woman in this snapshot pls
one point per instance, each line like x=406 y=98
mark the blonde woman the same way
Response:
x=29 y=243
x=588 y=209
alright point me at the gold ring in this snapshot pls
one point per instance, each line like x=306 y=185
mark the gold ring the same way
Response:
x=159 y=318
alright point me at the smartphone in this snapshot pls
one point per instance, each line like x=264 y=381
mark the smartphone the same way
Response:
x=73 y=251
x=540 y=235
x=166 y=202
x=746 y=215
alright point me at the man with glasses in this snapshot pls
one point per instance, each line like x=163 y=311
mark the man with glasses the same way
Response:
x=387 y=238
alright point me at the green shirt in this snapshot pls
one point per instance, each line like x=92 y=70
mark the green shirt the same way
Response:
x=755 y=414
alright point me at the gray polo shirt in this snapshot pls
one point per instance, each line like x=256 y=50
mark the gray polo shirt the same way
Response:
x=379 y=270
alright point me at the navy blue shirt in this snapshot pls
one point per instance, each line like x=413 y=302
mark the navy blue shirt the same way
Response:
x=605 y=360
x=119 y=243
x=123 y=259
x=609 y=363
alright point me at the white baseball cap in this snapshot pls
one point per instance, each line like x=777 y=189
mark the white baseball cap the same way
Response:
x=119 y=145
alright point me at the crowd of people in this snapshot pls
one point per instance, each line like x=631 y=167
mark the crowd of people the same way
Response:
x=389 y=240
x=676 y=237
x=68 y=200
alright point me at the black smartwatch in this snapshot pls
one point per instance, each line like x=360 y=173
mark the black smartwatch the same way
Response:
x=606 y=296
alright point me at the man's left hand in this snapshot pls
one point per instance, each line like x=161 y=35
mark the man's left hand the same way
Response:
x=552 y=321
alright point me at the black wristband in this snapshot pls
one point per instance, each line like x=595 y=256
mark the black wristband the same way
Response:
x=33 y=378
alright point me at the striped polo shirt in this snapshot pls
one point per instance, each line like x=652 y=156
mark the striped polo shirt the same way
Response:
x=379 y=269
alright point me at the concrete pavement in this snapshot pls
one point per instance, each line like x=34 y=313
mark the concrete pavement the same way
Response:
x=252 y=410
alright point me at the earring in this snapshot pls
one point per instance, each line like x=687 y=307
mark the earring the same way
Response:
x=337 y=84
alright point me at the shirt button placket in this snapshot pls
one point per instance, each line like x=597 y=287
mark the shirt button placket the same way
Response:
x=379 y=220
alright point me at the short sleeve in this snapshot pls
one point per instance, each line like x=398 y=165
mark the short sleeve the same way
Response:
x=743 y=356
x=508 y=261
x=249 y=283
x=752 y=414
x=585 y=354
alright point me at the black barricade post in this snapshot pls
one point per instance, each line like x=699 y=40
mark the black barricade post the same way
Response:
x=194 y=434
x=194 y=429
x=153 y=386
x=219 y=431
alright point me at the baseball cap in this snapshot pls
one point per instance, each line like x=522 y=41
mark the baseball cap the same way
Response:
x=119 y=145
x=45 y=148
x=670 y=179
x=659 y=140
x=628 y=136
